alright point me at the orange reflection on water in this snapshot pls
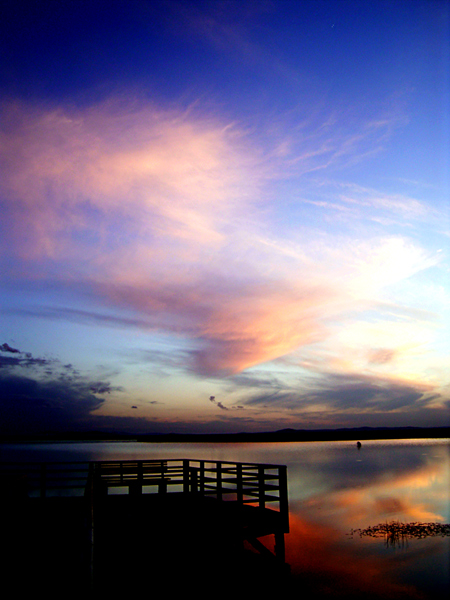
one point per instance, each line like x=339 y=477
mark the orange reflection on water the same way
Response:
x=409 y=496
x=321 y=562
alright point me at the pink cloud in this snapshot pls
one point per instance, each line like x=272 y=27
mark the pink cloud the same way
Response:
x=235 y=325
x=115 y=171
x=159 y=212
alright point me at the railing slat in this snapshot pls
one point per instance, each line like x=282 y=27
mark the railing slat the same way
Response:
x=243 y=482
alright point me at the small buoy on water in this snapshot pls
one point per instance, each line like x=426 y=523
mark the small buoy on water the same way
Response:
x=358 y=445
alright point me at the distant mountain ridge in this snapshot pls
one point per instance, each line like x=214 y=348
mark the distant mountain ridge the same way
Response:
x=283 y=435
x=307 y=435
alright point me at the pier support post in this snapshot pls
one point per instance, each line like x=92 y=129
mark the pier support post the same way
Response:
x=280 y=550
x=43 y=481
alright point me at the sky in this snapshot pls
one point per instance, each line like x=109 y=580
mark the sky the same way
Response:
x=222 y=216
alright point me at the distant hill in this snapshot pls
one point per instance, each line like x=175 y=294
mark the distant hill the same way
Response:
x=284 y=435
x=307 y=435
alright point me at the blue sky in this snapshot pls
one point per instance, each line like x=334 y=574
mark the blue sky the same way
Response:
x=224 y=216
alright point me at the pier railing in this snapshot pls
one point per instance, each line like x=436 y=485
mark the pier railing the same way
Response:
x=261 y=485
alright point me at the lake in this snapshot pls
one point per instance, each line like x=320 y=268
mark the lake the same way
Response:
x=336 y=492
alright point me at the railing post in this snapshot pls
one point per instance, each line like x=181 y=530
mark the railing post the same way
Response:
x=280 y=551
x=135 y=488
x=261 y=487
x=239 y=488
x=102 y=486
x=219 y=481
x=186 y=476
x=162 y=488
x=193 y=480
x=283 y=495
x=140 y=474
x=202 y=477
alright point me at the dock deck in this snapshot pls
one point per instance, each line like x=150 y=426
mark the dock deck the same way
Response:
x=121 y=525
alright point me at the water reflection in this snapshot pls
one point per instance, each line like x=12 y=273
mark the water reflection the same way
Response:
x=403 y=482
x=334 y=488
x=327 y=567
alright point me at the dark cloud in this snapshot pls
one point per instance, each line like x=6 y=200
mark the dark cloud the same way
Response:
x=348 y=392
x=218 y=404
x=100 y=387
x=29 y=404
x=7 y=348
x=21 y=359
x=160 y=363
x=39 y=395
x=80 y=316
x=254 y=380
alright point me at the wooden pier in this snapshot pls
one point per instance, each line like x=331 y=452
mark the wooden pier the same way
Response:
x=120 y=525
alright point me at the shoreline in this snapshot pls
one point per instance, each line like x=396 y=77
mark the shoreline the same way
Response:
x=285 y=435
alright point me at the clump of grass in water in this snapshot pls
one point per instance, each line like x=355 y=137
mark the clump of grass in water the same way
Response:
x=397 y=533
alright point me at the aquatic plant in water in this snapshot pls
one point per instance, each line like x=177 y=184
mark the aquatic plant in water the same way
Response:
x=397 y=533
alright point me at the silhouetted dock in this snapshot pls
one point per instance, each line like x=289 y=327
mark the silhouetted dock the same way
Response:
x=114 y=526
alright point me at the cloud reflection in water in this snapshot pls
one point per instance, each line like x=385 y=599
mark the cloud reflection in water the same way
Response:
x=334 y=490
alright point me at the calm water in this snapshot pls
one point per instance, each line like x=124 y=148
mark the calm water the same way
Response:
x=334 y=488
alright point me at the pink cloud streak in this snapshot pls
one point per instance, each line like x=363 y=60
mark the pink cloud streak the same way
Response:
x=157 y=211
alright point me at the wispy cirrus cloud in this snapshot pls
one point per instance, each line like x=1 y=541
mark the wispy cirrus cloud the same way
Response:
x=162 y=213
x=355 y=203
x=72 y=177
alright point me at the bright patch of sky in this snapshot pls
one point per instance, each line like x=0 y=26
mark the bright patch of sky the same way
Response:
x=245 y=201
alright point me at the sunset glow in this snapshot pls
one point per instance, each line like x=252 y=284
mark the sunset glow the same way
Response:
x=240 y=200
